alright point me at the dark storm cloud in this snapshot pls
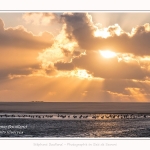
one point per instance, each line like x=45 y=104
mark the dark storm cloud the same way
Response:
x=20 y=38
x=80 y=27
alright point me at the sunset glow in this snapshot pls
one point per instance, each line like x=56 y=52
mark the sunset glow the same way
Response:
x=84 y=57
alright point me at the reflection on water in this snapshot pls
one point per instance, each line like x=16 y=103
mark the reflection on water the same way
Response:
x=60 y=125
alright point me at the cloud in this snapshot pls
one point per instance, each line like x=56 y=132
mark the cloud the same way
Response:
x=9 y=72
x=125 y=19
x=62 y=50
x=40 y=18
x=19 y=37
x=137 y=43
x=127 y=90
x=19 y=50
x=76 y=47
x=77 y=35
x=100 y=67
x=81 y=27
x=64 y=66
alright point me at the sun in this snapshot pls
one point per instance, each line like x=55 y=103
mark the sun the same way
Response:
x=107 y=53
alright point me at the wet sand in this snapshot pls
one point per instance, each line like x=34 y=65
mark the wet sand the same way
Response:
x=74 y=107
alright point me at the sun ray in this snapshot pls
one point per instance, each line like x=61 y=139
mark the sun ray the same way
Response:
x=137 y=94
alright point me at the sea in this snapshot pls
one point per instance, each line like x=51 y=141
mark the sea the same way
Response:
x=74 y=125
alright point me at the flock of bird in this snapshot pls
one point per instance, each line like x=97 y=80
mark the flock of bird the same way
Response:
x=90 y=116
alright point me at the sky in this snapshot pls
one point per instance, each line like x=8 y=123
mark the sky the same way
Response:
x=75 y=57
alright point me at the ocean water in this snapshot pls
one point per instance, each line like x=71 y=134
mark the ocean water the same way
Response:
x=74 y=125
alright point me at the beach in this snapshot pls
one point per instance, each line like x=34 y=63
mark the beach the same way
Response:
x=49 y=119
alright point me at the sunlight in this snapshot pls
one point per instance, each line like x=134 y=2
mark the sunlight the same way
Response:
x=107 y=54
x=80 y=73
x=102 y=33
x=83 y=74
x=137 y=94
